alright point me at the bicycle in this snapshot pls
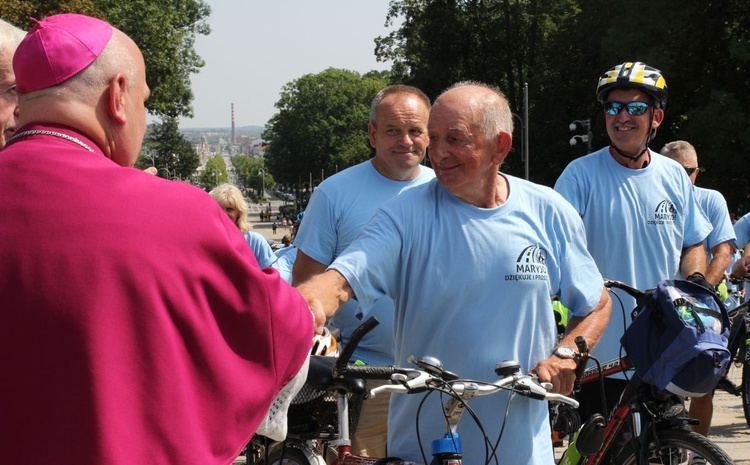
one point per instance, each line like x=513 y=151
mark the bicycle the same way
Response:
x=737 y=379
x=344 y=378
x=645 y=426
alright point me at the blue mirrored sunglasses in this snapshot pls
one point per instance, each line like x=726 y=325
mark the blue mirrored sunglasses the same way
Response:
x=633 y=108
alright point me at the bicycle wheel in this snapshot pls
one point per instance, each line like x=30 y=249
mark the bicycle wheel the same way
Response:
x=293 y=456
x=745 y=389
x=677 y=447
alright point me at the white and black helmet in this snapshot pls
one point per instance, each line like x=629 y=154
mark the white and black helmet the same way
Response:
x=634 y=75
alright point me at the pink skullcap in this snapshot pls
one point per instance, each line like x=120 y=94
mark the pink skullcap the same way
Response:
x=57 y=48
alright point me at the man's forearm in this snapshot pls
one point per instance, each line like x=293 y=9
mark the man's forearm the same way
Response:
x=592 y=325
x=720 y=258
x=693 y=260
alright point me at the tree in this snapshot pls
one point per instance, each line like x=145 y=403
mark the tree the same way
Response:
x=164 y=30
x=214 y=174
x=500 y=42
x=252 y=173
x=321 y=124
x=560 y=47
x=169 y=152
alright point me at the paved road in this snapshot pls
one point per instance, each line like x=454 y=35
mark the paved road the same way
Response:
x=729 y=429
x=266 y=227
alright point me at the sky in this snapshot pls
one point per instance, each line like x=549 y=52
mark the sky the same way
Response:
x=258 y=46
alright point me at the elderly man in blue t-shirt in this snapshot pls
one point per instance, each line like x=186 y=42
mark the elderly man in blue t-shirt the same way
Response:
x=471 y=260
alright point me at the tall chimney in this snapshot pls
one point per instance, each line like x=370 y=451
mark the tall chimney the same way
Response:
x=234 y=140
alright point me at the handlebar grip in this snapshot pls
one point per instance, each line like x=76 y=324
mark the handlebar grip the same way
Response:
x=641 y=297
x=368 y=371
x=583 y=358
x=354 y=340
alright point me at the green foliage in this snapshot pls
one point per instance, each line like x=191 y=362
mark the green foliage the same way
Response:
x=560 y=47
x=250 y=174
x=164 y=30
x=214 y=174
x=321 y=124
x=167 y=150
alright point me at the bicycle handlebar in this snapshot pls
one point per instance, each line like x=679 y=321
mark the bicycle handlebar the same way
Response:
x=639 y=296
x=527 y=385
x=408 y=380
x=370 y=371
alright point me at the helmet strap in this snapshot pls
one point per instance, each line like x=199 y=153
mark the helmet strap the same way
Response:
x=647 y=140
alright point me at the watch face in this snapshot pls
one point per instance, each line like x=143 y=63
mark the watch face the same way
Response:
x=565 y=352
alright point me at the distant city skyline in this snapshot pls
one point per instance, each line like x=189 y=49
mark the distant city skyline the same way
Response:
x=257 y=47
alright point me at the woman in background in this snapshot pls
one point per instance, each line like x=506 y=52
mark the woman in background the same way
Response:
x=231 y=200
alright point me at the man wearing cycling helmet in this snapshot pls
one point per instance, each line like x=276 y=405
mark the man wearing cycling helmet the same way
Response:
x=643 y=222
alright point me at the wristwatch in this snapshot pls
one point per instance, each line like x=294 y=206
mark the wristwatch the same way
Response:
x=564 y=352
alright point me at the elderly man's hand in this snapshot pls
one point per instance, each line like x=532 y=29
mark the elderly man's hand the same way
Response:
x=560 y=372
x=741 y=268
x=316 y=307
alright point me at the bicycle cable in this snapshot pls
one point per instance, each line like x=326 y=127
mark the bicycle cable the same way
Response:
x=505 y=422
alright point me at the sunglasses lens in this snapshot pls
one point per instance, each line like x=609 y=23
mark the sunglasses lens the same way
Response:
x=612 y=108
x=636 y=108
x=633 y=108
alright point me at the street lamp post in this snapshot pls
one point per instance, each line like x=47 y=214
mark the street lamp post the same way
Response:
x=169 y=174
x=585 y=125
x=263 y=183
x=524 y=122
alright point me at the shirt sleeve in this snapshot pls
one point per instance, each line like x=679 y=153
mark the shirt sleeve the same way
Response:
x=317 y=233
x=262 y=251
x=568 y=186
x=697 y=225
x=372 y=262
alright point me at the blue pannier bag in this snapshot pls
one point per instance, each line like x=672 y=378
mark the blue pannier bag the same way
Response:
x=678 y=339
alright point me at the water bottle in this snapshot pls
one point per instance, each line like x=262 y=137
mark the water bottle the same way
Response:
x=586 y=442
x=709 y=321
x=571 y=456
x=688 y=313
x=447 y=451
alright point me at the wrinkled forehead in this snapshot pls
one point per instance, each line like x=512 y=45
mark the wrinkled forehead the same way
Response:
x=450 y=117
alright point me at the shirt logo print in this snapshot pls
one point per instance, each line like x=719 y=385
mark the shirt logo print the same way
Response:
x=531 y=264
x=665 y=213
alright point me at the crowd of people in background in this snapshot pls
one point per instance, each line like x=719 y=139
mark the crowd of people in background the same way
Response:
x=153 y=302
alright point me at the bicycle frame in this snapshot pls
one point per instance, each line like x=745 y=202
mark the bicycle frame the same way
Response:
x=738 y=382
x=644 y=421
x=647 y=410
x=739 y=332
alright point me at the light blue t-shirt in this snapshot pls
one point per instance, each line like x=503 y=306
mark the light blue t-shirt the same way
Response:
x=637 y=223
x=715 y=207
x=263 y=252
x=284 y=263
x=742 y=231
x=338 y=210
x=472 y=287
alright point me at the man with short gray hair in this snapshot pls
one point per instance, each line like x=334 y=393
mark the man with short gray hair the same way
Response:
x=341 y=207
x=719 y=244
x=470 y=260
x=10 y=37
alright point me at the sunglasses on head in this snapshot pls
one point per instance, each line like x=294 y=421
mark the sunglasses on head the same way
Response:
x=633 y=108
x=690 y=170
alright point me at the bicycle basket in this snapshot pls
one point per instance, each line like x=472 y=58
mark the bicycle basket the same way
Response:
x=314 y=413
